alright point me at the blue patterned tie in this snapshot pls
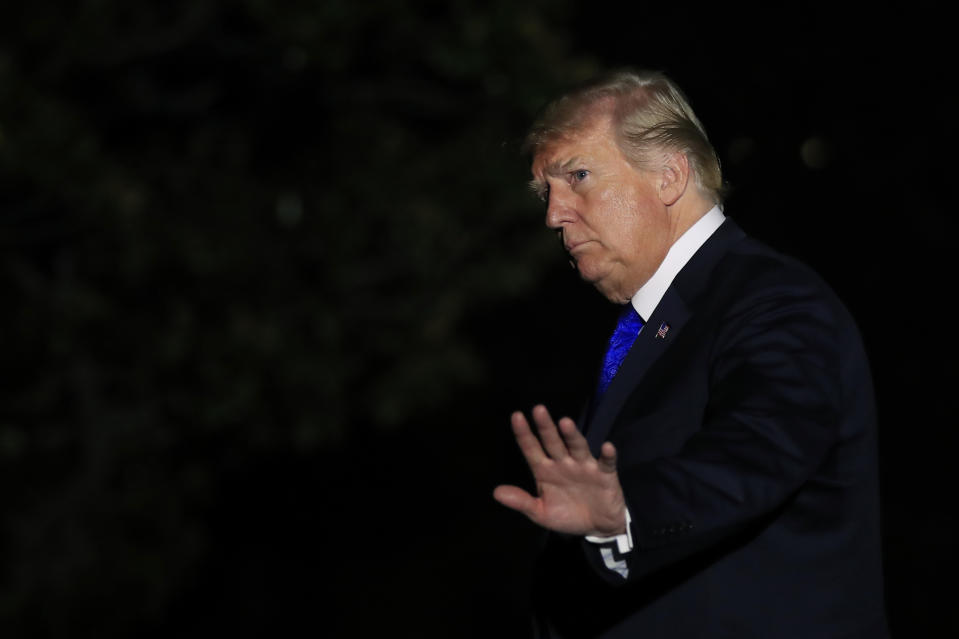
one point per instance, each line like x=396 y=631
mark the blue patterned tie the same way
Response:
x=627 y=328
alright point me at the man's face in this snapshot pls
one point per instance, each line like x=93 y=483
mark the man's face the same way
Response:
x=612 y=221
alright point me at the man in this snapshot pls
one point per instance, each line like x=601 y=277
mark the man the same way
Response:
x=723 y=481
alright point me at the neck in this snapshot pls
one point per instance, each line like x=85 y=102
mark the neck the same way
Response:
x=686 y=211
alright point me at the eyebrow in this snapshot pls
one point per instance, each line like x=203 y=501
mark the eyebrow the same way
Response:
x=538 y=187
x=554 y=168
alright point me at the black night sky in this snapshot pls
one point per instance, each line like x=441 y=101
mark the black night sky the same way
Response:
x=273 y=283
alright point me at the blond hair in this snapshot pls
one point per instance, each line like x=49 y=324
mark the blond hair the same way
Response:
x=650 y=115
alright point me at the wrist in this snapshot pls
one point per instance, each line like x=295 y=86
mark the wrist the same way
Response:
x=616 y=528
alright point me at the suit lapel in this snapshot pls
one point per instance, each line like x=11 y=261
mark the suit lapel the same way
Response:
x=657 y=335
x=672 y=314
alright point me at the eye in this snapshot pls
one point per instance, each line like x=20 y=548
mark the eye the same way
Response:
x=544 y=193
x=578 y=175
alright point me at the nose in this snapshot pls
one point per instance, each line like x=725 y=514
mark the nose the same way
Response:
x=559 y=209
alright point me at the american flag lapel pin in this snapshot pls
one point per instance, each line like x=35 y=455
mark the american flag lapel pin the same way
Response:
x=663 y=329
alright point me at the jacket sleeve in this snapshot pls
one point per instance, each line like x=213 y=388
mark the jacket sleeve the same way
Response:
x=771 y=417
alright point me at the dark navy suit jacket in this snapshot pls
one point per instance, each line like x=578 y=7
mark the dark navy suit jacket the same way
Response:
x=745 y=425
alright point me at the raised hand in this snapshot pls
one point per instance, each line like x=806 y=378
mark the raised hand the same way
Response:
x=576 y=493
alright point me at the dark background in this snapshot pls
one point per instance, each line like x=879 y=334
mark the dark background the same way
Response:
x=271 y=284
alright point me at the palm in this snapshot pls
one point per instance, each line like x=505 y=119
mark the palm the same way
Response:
x=576 y=493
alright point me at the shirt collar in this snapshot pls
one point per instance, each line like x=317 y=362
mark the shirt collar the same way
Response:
x=647 y=298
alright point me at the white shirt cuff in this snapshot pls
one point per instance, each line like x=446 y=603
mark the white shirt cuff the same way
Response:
x=624 y=542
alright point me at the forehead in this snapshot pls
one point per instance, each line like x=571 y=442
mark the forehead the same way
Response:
x=561 y=154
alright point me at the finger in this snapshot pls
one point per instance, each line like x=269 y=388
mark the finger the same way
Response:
x=575 y=442
x=515 y=498
x=552 y=442
x=528 y=443
x=607 y=458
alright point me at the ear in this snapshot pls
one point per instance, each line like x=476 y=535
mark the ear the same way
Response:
x=674 y=178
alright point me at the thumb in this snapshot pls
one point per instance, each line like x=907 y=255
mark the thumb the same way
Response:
x=515 y=498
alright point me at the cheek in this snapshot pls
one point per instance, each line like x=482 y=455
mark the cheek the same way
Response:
x=628 y=218
x=619 y=212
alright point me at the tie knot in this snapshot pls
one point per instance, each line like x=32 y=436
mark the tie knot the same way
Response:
x=629 y=320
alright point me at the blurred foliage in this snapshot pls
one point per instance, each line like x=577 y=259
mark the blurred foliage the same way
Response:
x=238 y=227
x=239 y=236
